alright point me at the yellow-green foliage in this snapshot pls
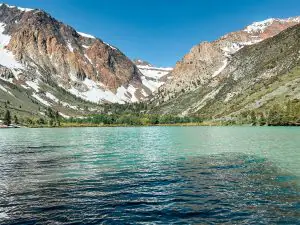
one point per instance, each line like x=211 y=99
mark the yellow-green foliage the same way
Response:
x=278 y=115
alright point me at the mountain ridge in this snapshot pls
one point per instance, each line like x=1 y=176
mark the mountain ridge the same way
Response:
x=207 y=59
x=258 y=77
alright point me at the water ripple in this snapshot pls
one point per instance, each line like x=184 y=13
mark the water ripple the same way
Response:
x=143 y=176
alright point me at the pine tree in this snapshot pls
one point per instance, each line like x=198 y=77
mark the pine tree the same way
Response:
x=16 y=121
x=50 y=123
x=57 y=118
x=7 y=118
x=253 y=117
x=50 y=113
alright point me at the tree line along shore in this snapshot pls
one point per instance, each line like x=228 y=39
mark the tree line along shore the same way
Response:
x=278 y=115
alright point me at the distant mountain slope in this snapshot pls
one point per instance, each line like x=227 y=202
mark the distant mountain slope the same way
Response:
x=257 y=77
x=40 y=54
x=208 y=59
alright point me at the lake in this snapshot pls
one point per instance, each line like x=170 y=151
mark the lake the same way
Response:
x=150 y=175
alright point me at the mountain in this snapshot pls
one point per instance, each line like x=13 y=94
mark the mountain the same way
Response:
x=208 y=59
x=152 y=77
x=47 y=64
x=51 y=64
x=253 y=77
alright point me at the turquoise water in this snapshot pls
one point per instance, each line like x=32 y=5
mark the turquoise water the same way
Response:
x=150 y=175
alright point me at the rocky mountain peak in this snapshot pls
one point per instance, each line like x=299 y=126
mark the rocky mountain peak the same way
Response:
x=4 y=5
x=140 y=62
x=272 y=23
x=40 y=51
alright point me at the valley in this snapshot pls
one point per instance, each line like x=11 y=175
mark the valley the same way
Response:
x=241 y=78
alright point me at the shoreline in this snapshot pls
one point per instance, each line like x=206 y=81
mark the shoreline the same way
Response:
x=203 y=124
x=119 y=125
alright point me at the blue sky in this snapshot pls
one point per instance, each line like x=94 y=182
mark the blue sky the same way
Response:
x=161 y=31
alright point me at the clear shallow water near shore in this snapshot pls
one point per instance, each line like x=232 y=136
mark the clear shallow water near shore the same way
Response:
x=156 y=175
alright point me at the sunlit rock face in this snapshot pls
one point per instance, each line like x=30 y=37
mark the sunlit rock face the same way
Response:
x=46 y=50
x=208 y=59
x=255 y=69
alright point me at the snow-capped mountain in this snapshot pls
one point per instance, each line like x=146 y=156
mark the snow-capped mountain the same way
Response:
x=208 y=59
x=37 y=52
x=45 y=63
x=217 y=78
x=153 y=77
x=260 y=27
x=260 y=80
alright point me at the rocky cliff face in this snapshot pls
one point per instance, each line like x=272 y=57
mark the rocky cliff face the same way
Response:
x=256 y=77
x=208 y=59
x=39 y=51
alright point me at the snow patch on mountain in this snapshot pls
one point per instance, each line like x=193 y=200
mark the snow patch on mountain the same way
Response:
x=225 y=63
x=7 y=59
x=93 y=37
x=263 y=25
x=294 y=19
x=232 y=48
x=86 y=35
x=19 y=8
x=153 y=85
x=52 y=97
x=5 y=90
x=41 y=100
x=131 y=90
x=110 y=46
x=64 y=115
x=97 y=93
x=94 y=93
x=154 y=72
x=4 y=39
x=252 y=42
x=70 y=47
x=152 y=75
x=86 y=56
x=122 y=94
x=34 y=85
x=259 y=26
